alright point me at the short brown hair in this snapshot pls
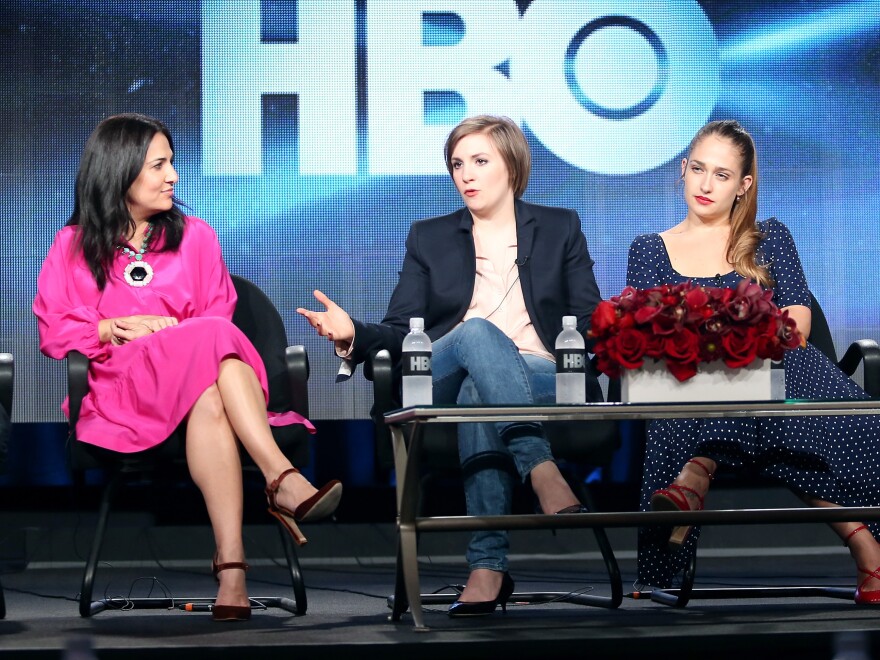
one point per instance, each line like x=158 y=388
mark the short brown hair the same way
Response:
x=507 y=137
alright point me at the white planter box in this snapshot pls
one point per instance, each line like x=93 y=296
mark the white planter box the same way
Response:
x=715 y=381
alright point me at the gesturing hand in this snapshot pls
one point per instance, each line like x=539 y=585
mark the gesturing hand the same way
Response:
x=335 y=324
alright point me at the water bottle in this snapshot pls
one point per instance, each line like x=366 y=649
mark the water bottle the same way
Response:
x=416 y=365
x=571 y=386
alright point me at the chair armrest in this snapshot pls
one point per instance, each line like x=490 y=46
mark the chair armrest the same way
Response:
x=298 y=376
x=77 y=383
x=867 y=352
x=378 y=368
x=7 y=380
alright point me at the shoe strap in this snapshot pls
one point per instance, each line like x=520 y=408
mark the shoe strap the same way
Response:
x=871 y=574
x=273 y=487
x=853 y=533
x=705 y=469
x=229 y=565
x=676 y=487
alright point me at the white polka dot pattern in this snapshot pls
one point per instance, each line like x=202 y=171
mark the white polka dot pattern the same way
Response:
x=833 y=458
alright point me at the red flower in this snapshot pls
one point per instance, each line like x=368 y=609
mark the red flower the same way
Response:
x=740 y=346
x=629 y=349
x=684 y=346
x=604 y=319
x=682 y=371
x=684 y=325
x=710 y=347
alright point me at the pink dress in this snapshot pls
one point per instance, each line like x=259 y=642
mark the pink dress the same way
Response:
x=140 y=391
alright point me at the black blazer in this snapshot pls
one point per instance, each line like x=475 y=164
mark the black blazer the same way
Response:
x=440 y=266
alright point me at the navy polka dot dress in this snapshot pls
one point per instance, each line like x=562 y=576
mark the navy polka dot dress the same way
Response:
x=835 y=459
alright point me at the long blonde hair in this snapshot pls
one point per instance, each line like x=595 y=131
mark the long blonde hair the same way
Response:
x=742 y=244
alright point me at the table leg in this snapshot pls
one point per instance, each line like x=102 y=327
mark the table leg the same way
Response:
x=406 y=462
x=398 y=443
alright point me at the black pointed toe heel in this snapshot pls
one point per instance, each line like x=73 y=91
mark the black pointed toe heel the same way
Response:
x=483 y=608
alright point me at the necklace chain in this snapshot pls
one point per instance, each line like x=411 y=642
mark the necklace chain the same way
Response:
x=145 y=245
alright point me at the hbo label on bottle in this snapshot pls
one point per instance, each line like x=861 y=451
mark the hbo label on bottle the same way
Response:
x=417 y=363
x=570 y=361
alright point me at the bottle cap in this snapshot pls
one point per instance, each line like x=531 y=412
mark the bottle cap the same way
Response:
x=417 y=323
x=569 y=321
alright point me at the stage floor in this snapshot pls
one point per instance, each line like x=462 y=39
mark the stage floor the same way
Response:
x=348 y=615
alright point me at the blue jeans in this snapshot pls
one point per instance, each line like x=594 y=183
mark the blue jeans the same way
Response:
x=477 y=363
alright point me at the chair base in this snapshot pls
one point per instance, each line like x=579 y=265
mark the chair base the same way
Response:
x=531 y=597
x=672 y=597
x=398 y=603
x=198 y=604
x=680 y=597
x=89 y=607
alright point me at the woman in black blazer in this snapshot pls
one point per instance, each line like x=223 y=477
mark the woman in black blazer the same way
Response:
x=492 y=282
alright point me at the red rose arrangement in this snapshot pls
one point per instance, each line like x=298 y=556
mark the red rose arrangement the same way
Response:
x=686 y=324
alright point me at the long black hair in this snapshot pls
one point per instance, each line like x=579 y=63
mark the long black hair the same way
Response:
x=111 y=162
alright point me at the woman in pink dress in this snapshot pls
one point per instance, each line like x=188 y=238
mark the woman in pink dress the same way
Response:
x=142 y=291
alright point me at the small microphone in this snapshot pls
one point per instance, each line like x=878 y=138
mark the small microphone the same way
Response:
x=718 y=279
x=521 y=262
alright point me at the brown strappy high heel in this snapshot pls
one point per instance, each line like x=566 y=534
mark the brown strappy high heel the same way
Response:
x=229 y=612
x=320 y=505
x=673 y=498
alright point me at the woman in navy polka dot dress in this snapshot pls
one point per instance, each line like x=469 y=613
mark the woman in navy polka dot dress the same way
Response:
x=828 y=461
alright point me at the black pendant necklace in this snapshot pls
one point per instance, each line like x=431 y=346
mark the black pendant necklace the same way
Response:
x=138 y=272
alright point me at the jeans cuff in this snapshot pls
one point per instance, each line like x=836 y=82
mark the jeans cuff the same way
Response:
x=527 y=469
x=499 y=567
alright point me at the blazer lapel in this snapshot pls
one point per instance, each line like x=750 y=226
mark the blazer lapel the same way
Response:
x=465 y=239
x=525 y=234
x=526 y=224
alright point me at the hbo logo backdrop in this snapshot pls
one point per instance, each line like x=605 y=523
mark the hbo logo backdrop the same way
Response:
x=609 y=87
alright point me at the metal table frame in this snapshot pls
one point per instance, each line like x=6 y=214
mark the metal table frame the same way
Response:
x=407 y=459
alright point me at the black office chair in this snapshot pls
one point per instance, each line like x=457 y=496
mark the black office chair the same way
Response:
x=287 y=369
x=7 y=373
x=864 y=352
x=577 y=443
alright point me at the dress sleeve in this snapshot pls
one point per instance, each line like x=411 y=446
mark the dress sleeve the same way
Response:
x=781 y=253
x=641 y=264
x=217 y=295
x=65 y=307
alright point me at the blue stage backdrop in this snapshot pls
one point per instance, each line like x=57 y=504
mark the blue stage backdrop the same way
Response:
x=309 y=134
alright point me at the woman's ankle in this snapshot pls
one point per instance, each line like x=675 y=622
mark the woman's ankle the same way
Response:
x=863 y=548
x=551 y=488
x=697 y=473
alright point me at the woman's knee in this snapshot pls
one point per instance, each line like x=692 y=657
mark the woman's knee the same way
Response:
x=210 y=405
x=468 y=394
x=479 y=331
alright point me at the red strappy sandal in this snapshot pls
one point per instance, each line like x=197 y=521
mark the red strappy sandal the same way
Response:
x=229 y=612
x=320 y=505
x=673 y=498
x=865 y=597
